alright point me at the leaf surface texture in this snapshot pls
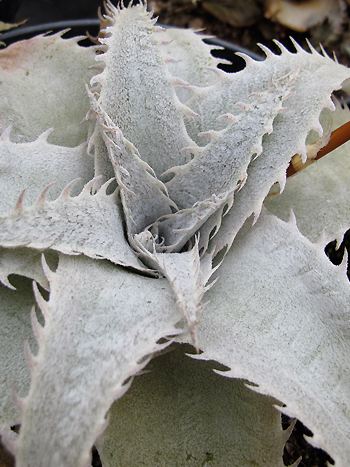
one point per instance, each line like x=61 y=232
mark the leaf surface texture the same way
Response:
x=33 y=166
x=98 y=332
x=300 y=115
x=134 y=89
x=43 y=86
x=319 y=196
x=279 y=317
x=194 y=417
x=15 y=306
x=90 y=223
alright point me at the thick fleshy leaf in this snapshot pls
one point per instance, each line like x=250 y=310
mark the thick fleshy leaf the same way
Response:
x=208 y=182
x=174 y=230
x=187 y=58
x=315 y=78
x=186 y=279
x=221 y=165
x=182 y=413
x=258 y=76
x=143 y=196
x=210 y=228
x=15 y=330
x=320 y=195
x=23 y=262
x=43 y=86
x=32 y=166
x=135 y=91
x=98 y=333
x=90 y=223
x=279 y=317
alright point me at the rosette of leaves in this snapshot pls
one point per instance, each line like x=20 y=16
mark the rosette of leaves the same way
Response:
x=166 y=240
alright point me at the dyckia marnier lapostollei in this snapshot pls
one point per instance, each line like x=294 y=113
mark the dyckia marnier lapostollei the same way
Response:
x=175 y=159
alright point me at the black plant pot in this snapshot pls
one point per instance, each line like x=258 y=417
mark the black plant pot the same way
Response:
x=91 y=25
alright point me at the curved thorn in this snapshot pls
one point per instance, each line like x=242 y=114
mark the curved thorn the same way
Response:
x=42 y=304
x=5 y=281
x=268 y=52
x=66 y=192
x=6 y=134
x=49 y=274
x=19 y=204
x=43 y=195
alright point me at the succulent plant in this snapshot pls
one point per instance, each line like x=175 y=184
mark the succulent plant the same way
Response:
x=165 y=248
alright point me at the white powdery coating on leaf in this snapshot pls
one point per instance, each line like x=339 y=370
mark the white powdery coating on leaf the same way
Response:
x=89 y=223
x=176 y=229
x=42 y=86
x=15 y=306
x=33 y=166
x=98 y=332
x=187 y=58
x=23 y=262
x=315 y=78
x=183 y=271
x=143 y=196
x=222 y=165
x=135 y=91
x=319 y=195
x=181 y=413
x=279 y=317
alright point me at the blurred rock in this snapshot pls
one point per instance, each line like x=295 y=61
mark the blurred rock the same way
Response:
x=304 y=15
x=238 y=13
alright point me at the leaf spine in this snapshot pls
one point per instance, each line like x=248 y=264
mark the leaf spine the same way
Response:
x=67 y=190
x=292 y=219
x=323 y=51
x=42 y=199
x=103 y=189
x=313 y=51
x=296 y=45
x=19 y=204
x=44 y=135
x=49 y=274
x=92 y=186
x=5 y=135
x=42 y=304
x=5 y=281
x=256 y=213
x=281 y=47
x=186 y=111
x=247 y=59
x=266 y=50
